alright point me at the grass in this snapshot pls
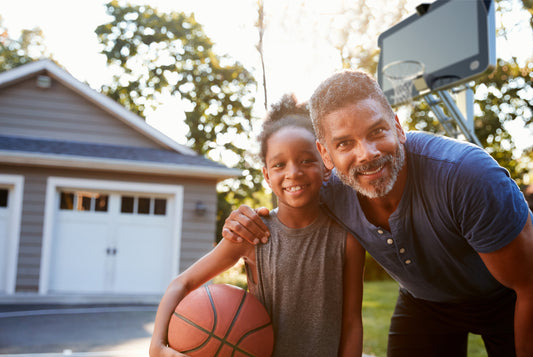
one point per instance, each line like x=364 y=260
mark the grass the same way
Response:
x=379 y=300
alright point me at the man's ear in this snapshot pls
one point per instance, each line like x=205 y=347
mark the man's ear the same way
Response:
x=325 y=156
x=399 y=130
x=327 y=174
x=265 y=175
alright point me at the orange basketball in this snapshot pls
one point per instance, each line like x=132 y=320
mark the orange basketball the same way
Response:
x=221 y=320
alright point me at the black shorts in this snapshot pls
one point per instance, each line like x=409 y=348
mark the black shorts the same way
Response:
x=426 y=328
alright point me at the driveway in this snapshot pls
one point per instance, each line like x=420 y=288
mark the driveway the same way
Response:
x=76 y=331
x=89 y=330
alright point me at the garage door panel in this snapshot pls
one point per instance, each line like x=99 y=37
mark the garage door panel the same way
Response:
x=4 y=233
x=78 y=263
x=148 y=246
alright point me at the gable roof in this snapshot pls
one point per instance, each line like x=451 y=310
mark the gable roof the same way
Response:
x=70 y=154
x=174 y=158
x=100 y=100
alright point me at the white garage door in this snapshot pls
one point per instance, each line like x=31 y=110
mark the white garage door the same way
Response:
x=10 y=211
x=4 y=231
x=112 y=242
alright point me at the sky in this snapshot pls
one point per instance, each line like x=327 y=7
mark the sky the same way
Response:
x=296 y=61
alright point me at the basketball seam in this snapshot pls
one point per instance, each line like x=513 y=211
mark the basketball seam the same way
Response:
x=210 y=334
x=224 y=340
x=248 y=334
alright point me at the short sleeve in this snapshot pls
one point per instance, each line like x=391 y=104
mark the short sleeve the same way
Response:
x=488 y=205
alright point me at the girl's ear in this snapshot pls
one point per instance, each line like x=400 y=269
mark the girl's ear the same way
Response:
x=265 y=175
x=325 y=156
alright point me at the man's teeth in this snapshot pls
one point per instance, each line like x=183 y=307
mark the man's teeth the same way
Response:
x=294 y=188
x=372 y=172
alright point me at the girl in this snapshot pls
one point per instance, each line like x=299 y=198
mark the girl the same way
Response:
x=309 y=274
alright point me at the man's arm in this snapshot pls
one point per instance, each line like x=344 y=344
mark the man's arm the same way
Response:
x=245 y=224
x=512 y=265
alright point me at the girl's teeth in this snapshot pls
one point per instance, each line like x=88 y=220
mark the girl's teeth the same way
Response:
x=294 y=188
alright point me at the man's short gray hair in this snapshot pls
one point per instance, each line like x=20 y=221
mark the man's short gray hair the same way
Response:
x=341 y=89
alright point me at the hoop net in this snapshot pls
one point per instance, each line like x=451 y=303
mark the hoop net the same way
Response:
x=401 y=74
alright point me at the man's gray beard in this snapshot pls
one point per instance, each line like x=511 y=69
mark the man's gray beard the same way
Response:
x=382 y=186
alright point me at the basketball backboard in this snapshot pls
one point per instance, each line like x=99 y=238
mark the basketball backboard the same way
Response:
x=453 y=40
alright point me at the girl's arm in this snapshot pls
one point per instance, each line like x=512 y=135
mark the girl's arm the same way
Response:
x=221 y=258
x=352 y=321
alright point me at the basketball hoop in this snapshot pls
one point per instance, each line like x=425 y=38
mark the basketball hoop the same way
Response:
x=402 y=75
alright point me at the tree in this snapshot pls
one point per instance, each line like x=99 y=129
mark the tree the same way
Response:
x=355 y=29
x=156 y=53
x=503 y=96
x=16 y=52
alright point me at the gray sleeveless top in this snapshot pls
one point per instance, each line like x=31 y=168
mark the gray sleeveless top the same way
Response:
x=300 y=284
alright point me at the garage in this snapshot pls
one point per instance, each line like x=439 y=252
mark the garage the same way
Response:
x=109 y=238
x=98 y=205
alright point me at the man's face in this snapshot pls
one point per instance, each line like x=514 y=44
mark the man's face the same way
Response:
x=364 y=144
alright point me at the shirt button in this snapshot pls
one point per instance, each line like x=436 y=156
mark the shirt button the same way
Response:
x=390 y=241
x=408 y=261
x=402 y=250
x=380 y=231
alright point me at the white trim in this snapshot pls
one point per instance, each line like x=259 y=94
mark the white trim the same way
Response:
x=13 y=236
x=99 y=99
x=51 y=202
x=82 y=162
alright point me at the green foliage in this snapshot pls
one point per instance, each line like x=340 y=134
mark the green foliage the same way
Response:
x=503 y=96
x=15 y=52
x=155 y=54
x=374 y=271
x=234 y=276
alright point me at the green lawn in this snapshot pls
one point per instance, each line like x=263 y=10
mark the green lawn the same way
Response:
x=378 y=303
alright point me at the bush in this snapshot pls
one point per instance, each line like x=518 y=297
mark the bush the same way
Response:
x=374 y=271
x=234 y=276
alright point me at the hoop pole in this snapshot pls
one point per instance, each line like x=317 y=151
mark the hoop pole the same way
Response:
x=448 y=101
x=445 y=120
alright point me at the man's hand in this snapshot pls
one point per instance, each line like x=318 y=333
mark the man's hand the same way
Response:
x=245 y=224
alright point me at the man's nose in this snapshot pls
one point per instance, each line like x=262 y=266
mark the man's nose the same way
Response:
x=366 y=151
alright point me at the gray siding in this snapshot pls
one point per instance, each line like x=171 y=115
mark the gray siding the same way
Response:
x=31 y=232
x=60 y=113
x=197 y=236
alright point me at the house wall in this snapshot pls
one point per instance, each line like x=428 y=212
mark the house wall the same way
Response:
x=61 y=114
x=197 y=232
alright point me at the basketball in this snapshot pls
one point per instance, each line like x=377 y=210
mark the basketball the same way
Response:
x=221 y=320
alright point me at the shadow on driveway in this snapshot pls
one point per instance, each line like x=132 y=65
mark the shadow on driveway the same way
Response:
x=62 y=330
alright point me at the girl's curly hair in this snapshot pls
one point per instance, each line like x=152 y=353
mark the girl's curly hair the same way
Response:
x=286 y=112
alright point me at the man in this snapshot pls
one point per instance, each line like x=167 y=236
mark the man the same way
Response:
x=441 y=216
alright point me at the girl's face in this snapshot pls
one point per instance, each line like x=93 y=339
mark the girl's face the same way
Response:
x=293 y=167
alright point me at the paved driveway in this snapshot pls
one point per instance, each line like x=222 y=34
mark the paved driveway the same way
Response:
x=76 y=331
x=113 y=330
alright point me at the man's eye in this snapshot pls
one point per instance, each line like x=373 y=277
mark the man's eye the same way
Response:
x=343 y=144
x=378 y=131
